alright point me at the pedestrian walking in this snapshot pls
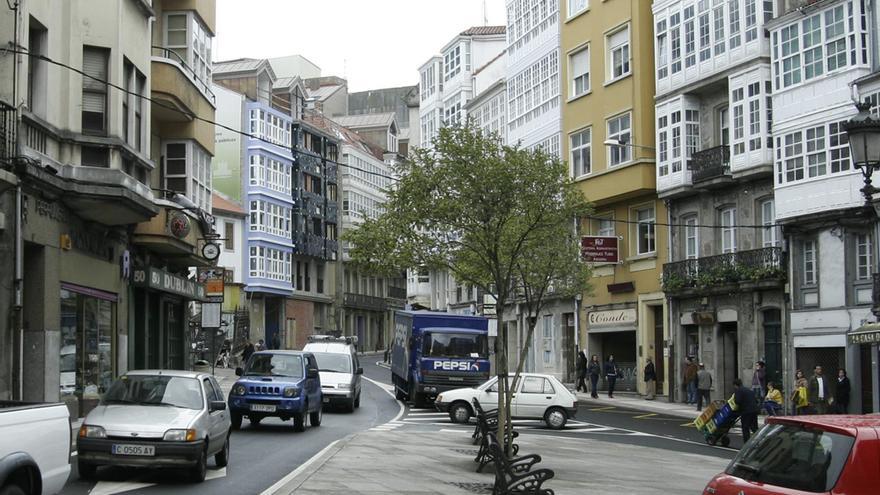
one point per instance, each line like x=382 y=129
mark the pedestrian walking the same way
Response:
x=650 y=380
x=581 y=369
x=759 y=380
x=689 y=380
x=747 y=406
x=773 y=400
x=800 y=401
x=818 y=392
x=841 y=392
x=261 y=345
x=611 y=374
x=704 y=387
x=594 y=369
x=246 y=353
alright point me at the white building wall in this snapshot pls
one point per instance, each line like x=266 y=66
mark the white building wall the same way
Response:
x=232 y=258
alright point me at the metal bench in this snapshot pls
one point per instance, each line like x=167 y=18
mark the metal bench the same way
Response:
x=486 y=426
x=515 y=475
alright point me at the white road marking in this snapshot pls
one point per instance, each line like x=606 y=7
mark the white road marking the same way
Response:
x=110 y=487
x=391 y=393
x=415 y=413
x=293 y=474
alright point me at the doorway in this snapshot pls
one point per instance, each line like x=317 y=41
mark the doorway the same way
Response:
x=729 y=356
x=866 y=379
x=658 y=347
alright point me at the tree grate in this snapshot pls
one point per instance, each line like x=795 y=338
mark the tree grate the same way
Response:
x=473 y=487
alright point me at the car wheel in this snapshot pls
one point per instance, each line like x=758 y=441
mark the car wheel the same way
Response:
x=255 y=420
x=86 y=471
x=357 y=400
x=236 y=420
x=221 y=459
x=197 y=473
x=725 y=441
x=299 y=421
x=315 y=417
x=12 y=490
x=398 y=394
x=555 y=418
x=416 y=398
x=459 y=412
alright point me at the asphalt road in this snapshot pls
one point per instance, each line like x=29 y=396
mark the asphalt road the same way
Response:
x=259 y=456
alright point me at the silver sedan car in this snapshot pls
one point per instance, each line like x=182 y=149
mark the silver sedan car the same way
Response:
x=157 y=419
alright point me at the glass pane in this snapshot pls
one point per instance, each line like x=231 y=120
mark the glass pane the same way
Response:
x=177 y=38
x=177 y=21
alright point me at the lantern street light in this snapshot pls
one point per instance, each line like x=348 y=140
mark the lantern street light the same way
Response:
x=863 y=132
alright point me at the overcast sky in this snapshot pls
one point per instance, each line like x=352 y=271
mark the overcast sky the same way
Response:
x=373 y=43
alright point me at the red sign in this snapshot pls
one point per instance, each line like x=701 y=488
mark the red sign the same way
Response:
x=600 y=249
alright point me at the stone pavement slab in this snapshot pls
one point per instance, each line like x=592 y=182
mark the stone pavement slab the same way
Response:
x=633 y=401
x=397 y=462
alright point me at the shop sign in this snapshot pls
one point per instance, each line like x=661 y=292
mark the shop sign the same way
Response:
x=156 y=279
x=616 y=318
x=600 y=249
x=868 y=334
x=213 y=277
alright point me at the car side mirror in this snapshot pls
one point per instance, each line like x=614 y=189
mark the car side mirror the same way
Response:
x=217 y=405
x=239 y=371
x=360 y=371
x=312 y=373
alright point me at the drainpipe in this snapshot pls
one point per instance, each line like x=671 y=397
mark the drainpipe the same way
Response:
x=18 y=284
x=670 y=367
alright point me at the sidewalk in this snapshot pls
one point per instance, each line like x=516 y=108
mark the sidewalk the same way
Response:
x=386 y=462
x=660 y=404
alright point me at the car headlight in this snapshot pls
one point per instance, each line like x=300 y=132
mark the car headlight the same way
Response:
x=89 y=431
x=239 y=389
x=180 y=435
x=290 y=392
x=343 y=385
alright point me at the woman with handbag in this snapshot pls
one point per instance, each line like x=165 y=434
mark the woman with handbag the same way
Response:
x=800 y=403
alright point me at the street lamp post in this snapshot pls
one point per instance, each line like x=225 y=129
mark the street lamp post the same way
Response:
x=863 y=132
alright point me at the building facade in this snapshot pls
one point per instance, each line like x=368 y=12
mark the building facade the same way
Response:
x=818 y=49
x=607 y=88
x=726 y=274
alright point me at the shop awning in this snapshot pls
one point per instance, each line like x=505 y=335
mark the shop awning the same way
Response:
x=868 y=333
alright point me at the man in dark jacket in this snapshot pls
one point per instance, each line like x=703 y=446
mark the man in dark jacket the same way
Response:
x=650 y=380
x=611 y=375
x=747 y=407
x=594 y=369
x=246 y=353
x=819 y=392
x=581 y=368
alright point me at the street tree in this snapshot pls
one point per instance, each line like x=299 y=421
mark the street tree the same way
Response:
x=499 y=217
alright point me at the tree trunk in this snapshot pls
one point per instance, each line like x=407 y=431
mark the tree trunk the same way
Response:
x=501 y=369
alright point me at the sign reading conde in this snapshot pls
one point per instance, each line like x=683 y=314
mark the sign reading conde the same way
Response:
x=600 y=249
x=616 y=317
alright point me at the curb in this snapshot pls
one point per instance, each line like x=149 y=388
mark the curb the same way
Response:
x=383 y=365
x=291 y=483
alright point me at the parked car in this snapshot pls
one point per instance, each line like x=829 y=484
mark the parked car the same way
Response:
x=537 y=396
x=157 y=419
x=339 y=369
x=806 y=455
x=281 y=384
x=35 y=447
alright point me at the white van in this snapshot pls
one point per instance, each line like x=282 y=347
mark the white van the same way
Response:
x=339 y=369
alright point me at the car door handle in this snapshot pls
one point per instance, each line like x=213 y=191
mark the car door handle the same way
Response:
x=550 y=397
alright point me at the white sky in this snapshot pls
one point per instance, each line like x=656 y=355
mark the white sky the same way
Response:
x=373 y=43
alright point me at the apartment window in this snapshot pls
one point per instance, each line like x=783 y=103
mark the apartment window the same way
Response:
x=728 y=230
x=816 y=158
x=662 y=50
x=864 y=264
x=770 y=233
x=265 y=171
x=826 y=151
x=738 y=122
x=605 y=227
x=619 y=130
x=452 y=62
x=676 y=140
x=189 y=38
x=754 y=92
x=705 y=28
x=751 y=20
x=812 y=40
x=810 y=276
x=675 y=41
x=580 y=72
x=94 y=92
x=691 y=132
x=580 y=152
x=229 y=236
x=94 y=156
x=724 y=126
x=577 y=6
x=270 y=263
x=690 y=43
x=718 y=18
x=645 y=230
x=691 y=238
x=662 y=145
x=188 y=171
x=134 y=83
x=618 y=53
x=734 y=21
x=37 y=90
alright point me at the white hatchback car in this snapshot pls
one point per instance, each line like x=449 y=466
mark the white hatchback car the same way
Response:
x=536 y=396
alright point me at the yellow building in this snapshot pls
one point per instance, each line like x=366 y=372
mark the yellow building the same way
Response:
x=608 y=136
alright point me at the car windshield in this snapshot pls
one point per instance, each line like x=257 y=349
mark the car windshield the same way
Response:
x=155 y=390
x=275 y=365
x=454 y=345
x=335 y=362
x=793 y=457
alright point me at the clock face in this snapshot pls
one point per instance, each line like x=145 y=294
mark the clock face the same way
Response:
x=211 y=251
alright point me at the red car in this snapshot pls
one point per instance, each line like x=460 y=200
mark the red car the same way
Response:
x=800 y=455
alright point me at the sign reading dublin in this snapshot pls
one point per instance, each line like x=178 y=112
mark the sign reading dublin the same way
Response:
x=160 y=280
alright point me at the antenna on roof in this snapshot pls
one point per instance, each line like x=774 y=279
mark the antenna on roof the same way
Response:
x=485 y=14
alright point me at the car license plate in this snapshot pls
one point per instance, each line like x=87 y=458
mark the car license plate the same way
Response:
x=326 y=400
x=262 y=408
x=126 y=449
x=456 y=379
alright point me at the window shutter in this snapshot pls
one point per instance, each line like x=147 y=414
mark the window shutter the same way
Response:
x=619 y=38
x=95 y=65
x=580 y=63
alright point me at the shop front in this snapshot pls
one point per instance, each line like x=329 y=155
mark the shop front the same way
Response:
x=160 y=337
x=613 y=332
x=864 y=344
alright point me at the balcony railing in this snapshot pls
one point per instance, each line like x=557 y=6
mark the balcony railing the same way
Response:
x=204 y=87
x=364 y=302
x=756 y=265
x=876 y=295
x=710 y=164
x=8 y=127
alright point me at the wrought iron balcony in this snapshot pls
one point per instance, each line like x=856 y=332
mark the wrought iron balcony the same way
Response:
x=8 y=128
x=742 y=267
x=710 y=164
x=363 y=301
